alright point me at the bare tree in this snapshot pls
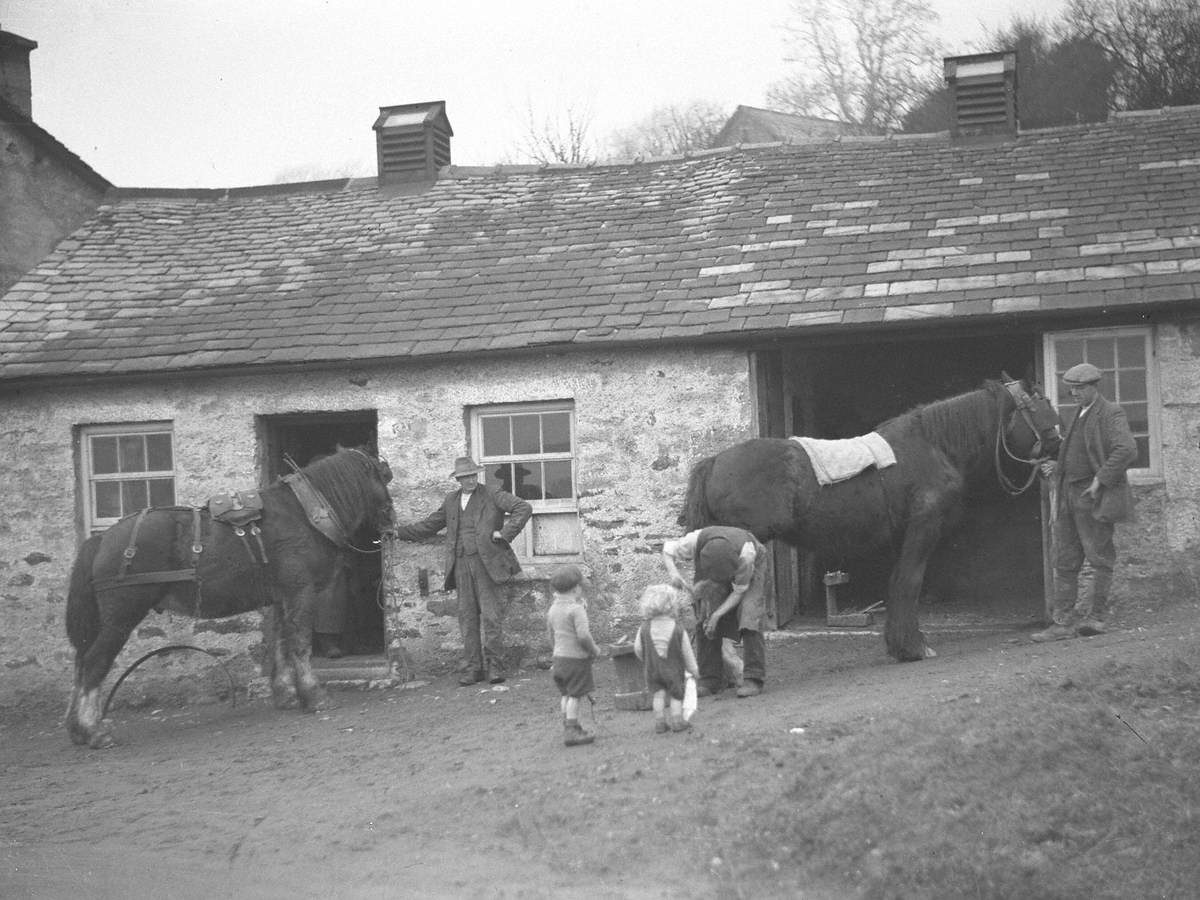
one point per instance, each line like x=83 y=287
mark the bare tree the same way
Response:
x=670 y=131
x=1062 y=79
x=858 y=61
x=559 y=136
x=1154 y=43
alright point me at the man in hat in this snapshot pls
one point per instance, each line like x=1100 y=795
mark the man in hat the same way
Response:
x=734 y=599
x=1092 y=493
x=478 y=560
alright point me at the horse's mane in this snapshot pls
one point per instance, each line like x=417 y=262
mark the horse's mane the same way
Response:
x=961 y=426
x=344 y=479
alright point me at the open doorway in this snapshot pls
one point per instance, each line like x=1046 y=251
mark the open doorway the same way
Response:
x=991 y=566
x=352 y=624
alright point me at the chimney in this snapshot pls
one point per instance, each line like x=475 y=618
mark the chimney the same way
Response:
x=15 y=84
x=983 y=95
x=412 y=141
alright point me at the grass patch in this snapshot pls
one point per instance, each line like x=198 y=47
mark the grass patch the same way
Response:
x=1083 y=788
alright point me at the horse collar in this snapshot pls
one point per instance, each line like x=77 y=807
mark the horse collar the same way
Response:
x=317 y=508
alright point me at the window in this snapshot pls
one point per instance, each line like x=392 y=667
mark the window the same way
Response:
x=1125 y=357
x=126 y=468
x=529 y=450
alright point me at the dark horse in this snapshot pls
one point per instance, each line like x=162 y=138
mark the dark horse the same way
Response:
x=178 y=557
x=942 y=449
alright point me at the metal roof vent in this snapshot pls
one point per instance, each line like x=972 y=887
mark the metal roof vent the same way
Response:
x=983 y=94
x=412 y=141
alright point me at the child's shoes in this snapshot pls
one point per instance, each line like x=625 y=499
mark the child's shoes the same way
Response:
x=660 y=726
x=681 y=724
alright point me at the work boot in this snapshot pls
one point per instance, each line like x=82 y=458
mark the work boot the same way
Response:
x=1054 y=633
x=1091 y=627
x=471 y=678
x=706 y=690
x=574 y=735
x=751 y=688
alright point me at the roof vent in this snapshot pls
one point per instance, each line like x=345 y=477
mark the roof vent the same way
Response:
x=983 y=92
x=412 y=141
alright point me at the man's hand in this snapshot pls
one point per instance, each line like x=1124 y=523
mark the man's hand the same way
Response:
x=1048 y=468
x=1093 y=489
x=497 y=537
x=678 y=583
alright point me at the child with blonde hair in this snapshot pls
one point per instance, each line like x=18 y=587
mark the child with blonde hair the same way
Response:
x=666 y=653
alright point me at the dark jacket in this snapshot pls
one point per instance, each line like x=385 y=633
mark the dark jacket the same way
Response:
x=1111 y=449
x=490 y=508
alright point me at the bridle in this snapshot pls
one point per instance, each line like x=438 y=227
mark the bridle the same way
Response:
x=1025 y=405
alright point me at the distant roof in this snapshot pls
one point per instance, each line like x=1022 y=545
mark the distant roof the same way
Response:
x=731 y=244
x=751 y=125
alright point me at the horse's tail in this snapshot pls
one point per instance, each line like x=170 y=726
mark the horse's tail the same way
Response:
x=695 y=504
x=83 y=611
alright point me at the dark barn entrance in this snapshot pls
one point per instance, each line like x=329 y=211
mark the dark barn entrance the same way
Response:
x=991 y=566
x=353 y=624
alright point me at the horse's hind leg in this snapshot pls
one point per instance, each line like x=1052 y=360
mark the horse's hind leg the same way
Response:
x=85 y=721
x=902 y=633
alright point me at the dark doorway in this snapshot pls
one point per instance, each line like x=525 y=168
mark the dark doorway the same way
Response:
x=353 y=624
x=991 y=565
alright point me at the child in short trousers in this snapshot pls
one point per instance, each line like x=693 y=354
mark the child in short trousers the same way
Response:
x=574 y=649
x=666 y=654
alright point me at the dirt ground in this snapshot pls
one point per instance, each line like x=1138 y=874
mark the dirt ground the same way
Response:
x=439 y=791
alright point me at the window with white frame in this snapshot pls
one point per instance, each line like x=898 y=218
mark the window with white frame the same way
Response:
x=1125 y=358
x=529 y=450
x=125 y=468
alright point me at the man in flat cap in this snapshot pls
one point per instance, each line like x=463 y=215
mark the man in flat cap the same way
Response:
x=478 y=560
x=1093 y=493
x=734 y=598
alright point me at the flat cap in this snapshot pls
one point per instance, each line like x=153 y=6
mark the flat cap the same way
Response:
x=1084 y=373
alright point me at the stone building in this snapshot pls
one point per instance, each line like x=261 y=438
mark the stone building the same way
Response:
x=46 y=191
x=589 y=333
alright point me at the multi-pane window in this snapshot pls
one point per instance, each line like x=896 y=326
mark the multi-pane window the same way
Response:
x=126 y=468
x=1125 y=359
x=529 y=450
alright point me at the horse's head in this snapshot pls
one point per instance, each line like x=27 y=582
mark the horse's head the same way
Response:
x=1032 y=432
x=384 y=508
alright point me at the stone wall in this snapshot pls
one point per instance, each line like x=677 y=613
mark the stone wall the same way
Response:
x=1159 y=552
x=642 y=417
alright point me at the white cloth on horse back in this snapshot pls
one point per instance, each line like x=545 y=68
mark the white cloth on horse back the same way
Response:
x=834 y=461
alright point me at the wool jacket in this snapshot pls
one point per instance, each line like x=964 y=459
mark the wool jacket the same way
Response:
x=1111 y=449
x=489 y=509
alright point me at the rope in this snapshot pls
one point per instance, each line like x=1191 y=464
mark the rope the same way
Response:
x=159 y=652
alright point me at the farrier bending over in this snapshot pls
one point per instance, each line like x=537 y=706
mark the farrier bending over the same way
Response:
x=733 y=598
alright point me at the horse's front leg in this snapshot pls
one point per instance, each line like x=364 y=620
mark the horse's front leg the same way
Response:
x=902 y=634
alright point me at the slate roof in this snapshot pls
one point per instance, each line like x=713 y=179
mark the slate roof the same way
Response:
x=751 y=125
x=730 y=244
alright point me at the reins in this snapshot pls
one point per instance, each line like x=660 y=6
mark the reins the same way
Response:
x=1010 y=486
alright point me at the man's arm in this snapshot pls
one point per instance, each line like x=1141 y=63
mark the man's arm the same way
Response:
x=734 y=598
x=673 y=552
x=425 y=528
x=518 y=511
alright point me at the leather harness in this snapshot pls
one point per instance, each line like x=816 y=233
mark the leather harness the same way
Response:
x=235 y=511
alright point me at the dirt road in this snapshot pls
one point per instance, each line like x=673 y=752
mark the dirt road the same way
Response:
x=442 y=791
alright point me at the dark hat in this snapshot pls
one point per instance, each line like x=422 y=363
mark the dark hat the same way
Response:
x=718 y=560
x=1084 y=373
x=464 y=466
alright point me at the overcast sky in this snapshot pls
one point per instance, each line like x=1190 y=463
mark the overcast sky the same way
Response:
x=223 y=93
